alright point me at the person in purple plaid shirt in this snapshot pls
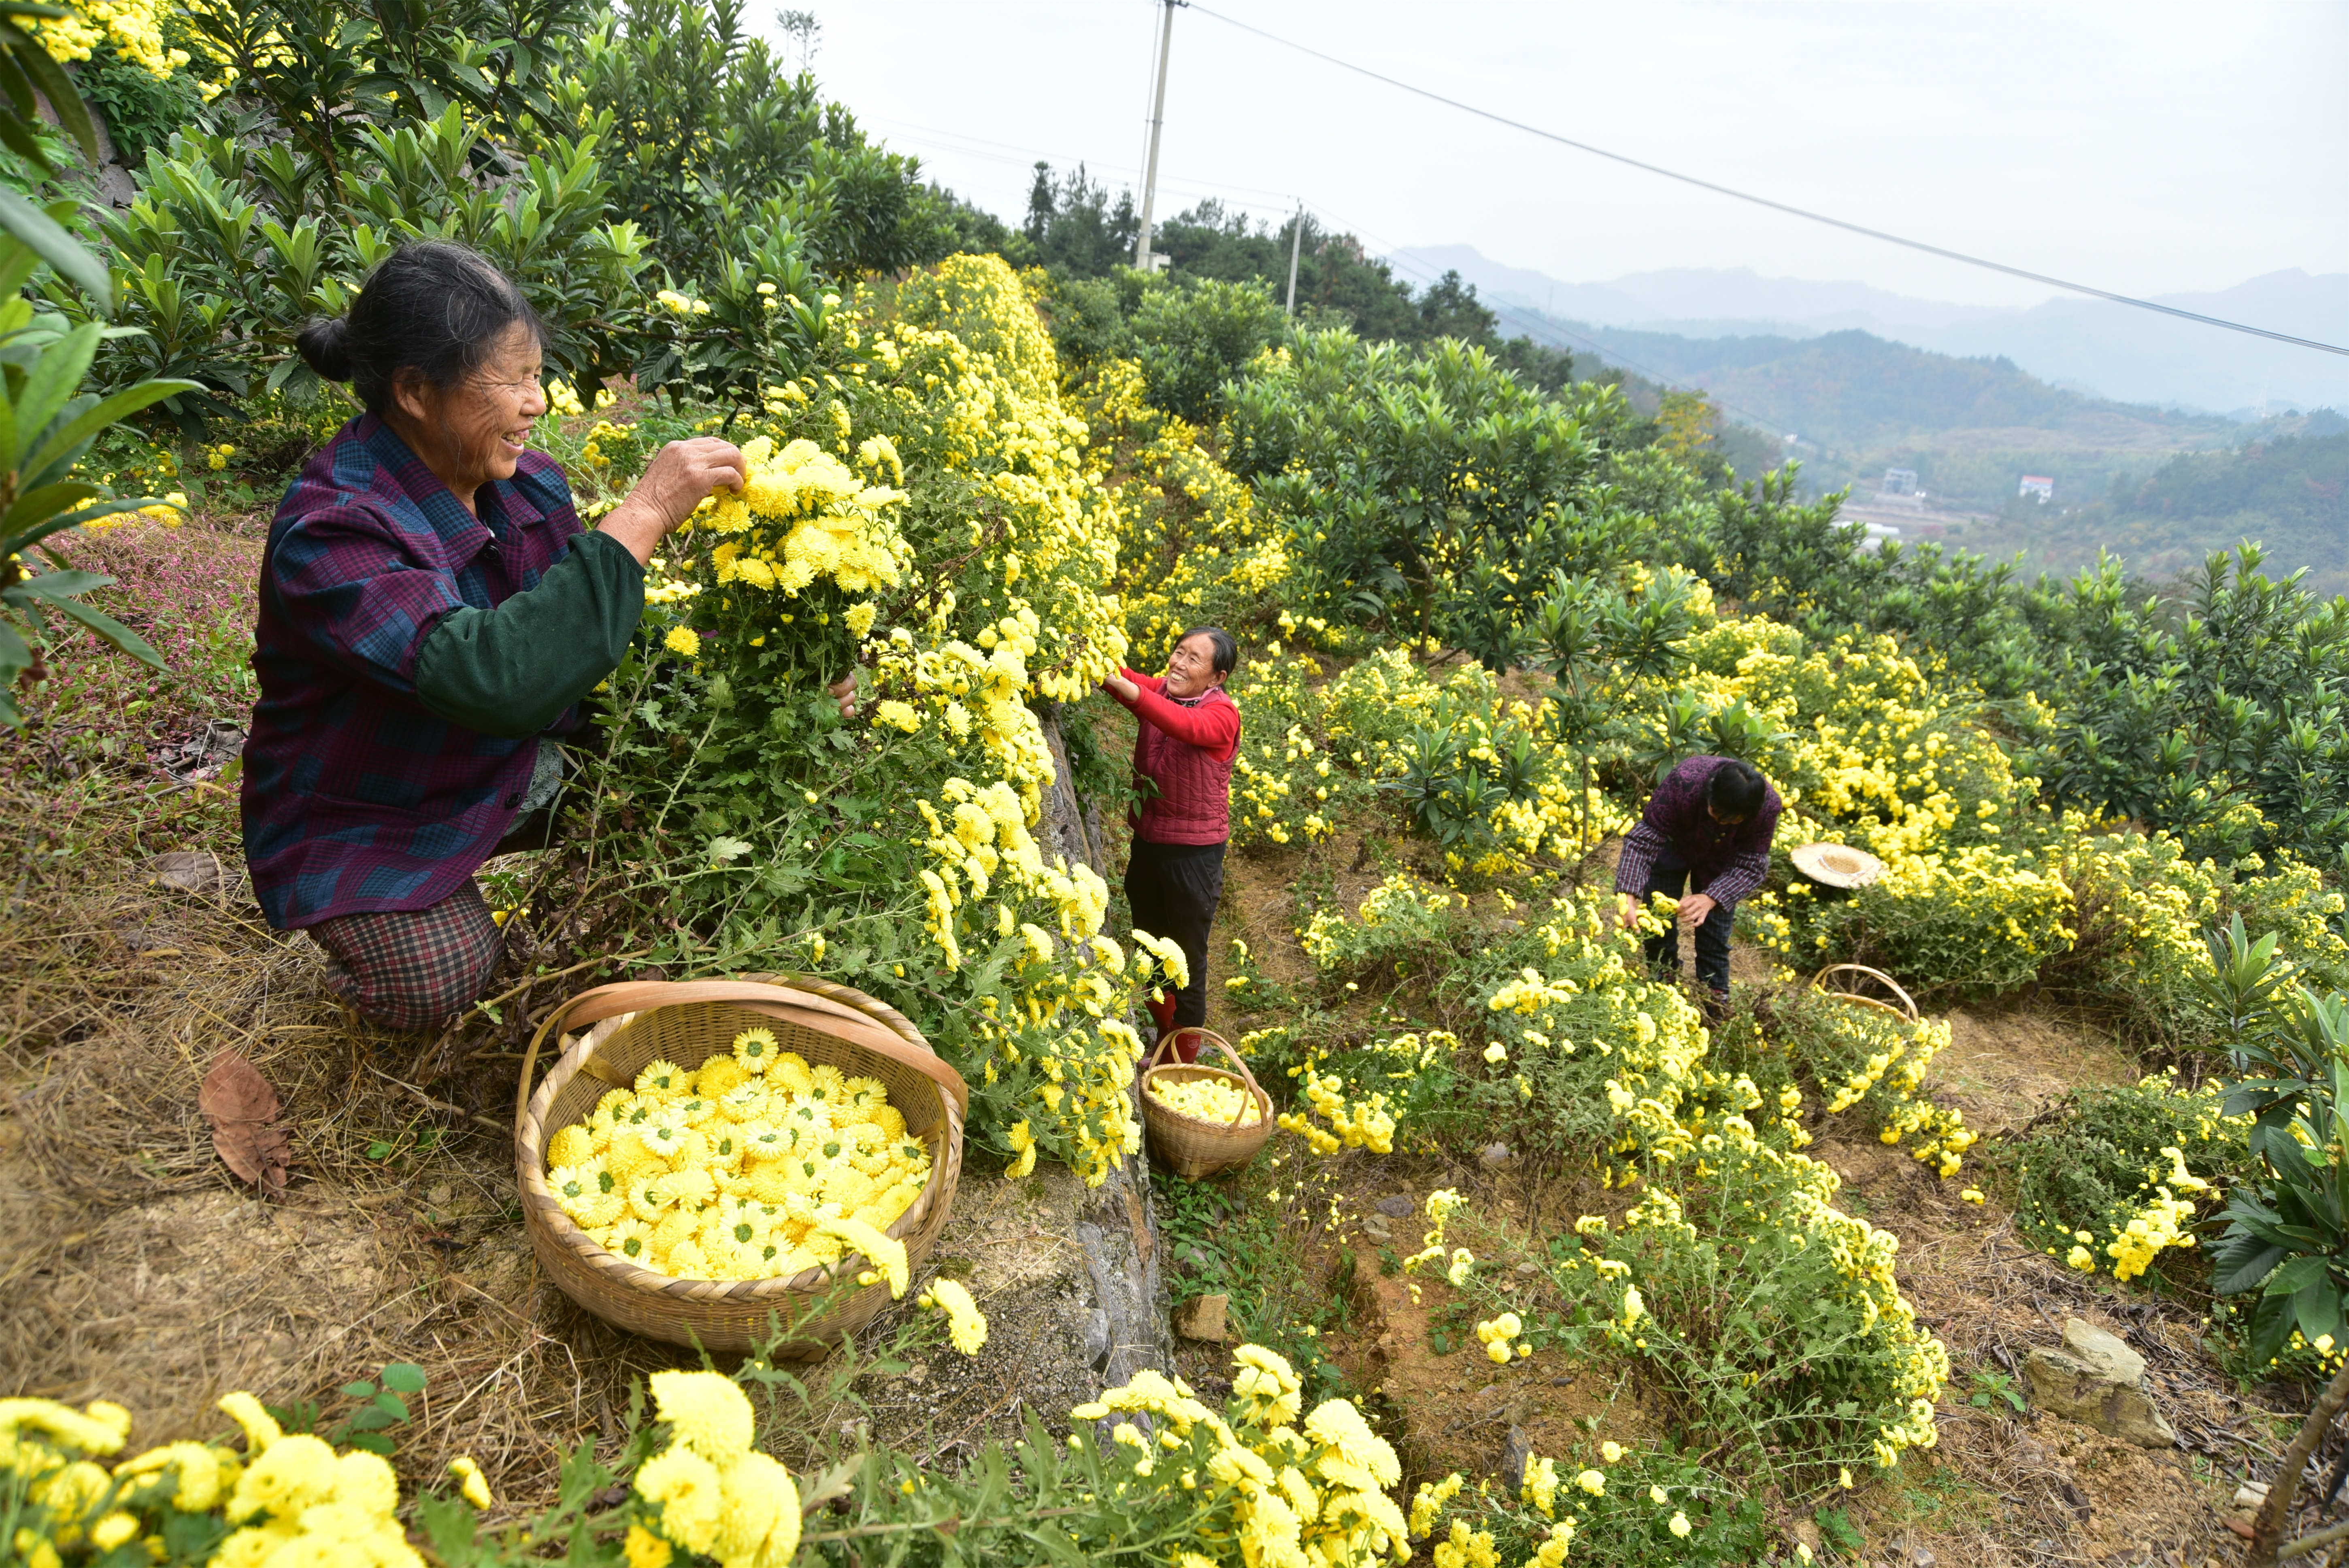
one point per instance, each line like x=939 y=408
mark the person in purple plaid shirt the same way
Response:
x=1707 y=827
x=432 y=614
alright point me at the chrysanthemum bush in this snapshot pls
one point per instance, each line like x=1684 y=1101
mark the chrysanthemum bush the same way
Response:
x=1768 y=1319
x=1860 y=1057
x=1403 y=920
x=920 y=513
x=1602 y=1503
x=1759 y=1304
x=2115 y=1182
x=1482 y=774
x=1193 y=547
x=1149 y=1475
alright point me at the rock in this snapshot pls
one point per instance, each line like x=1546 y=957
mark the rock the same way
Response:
x=1396 y=1205
x=197 y=872
x=1097 y=1337
x=1514 y=1455
x=1064 y=828
x=2251 y=1494
x=1202 y=1317
x=1375 y=1226
x=1494 y=1156
x=2098 y=1382
x=1808 y=1534
x=2100 y=1348
x=1528 y=1268
x=1915 y=1557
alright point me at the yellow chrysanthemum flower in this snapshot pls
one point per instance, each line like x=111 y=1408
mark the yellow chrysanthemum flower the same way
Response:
x=965 y=1326
x=706 y=1411
x=472 y=1484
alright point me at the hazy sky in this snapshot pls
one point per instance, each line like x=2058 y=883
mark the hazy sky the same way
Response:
x=2144 y=148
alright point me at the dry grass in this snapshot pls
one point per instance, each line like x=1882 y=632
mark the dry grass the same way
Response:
x=133 y=1266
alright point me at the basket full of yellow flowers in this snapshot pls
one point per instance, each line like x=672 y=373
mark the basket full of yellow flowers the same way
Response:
x=1202 y=1119
x=709 y=1161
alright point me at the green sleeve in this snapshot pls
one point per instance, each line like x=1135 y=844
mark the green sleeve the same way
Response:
x=513 y=669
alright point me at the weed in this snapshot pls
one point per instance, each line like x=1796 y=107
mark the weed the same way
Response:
x=1989 y=1387
x=1232 y=1238
x=377 y=1410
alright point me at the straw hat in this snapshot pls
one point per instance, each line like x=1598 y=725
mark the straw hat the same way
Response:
x=1837 y=865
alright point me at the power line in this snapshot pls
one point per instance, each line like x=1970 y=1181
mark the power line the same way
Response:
x=1529 y=322
x=1765 y=201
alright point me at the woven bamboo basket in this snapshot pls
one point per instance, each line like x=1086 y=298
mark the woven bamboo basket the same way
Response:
x=1194 y=1147
x=639 y=1022
x=1837 y=980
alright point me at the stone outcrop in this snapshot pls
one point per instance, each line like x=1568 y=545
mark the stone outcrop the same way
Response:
x=2098 y=1381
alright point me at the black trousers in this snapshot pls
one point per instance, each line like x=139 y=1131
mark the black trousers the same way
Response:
x=1172 y=889
x=1667 y=877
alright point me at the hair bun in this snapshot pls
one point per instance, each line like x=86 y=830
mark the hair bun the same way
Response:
x=326 y=345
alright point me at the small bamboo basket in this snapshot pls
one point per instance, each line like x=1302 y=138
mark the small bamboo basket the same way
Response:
x=686 y=1023
x=1193 y=1146
x=1838 y=980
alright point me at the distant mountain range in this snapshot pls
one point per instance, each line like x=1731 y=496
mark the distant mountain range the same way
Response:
x=2093 y=346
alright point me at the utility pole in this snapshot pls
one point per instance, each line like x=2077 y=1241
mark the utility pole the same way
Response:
x=1157 y=122
x=1296 y=239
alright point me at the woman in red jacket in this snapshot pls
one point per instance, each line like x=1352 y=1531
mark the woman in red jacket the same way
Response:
x=1190 y=732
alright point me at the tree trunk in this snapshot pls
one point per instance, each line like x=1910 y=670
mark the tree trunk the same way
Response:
x=2267 y=1531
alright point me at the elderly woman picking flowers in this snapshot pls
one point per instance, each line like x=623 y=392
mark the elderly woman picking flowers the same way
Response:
x=1189 y=734
x=432 y=614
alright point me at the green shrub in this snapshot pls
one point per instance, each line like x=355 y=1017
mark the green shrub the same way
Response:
x=230 y=249
x=1770 y=1317
x=2105 y=1159
x=1192 y=340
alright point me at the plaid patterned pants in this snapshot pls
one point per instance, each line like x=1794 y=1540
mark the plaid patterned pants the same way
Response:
x=412 y=969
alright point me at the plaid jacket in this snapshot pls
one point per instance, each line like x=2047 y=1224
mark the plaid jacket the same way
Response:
x=355 y=798
x=1726 y=862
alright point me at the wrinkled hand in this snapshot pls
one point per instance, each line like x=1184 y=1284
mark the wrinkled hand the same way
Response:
x=682 y=475
x=1118 y=686
x=843 y=691
x=1695 y=908
x=1627 y=911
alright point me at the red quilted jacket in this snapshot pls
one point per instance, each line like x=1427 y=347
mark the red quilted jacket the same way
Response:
x=1185 y=749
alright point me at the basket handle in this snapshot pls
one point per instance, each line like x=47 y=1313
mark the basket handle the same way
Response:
x=903 y=1043
x=1818 y=982
x=1255 y=1093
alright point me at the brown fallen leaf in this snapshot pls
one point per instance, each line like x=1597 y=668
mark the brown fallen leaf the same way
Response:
x=243 y=1109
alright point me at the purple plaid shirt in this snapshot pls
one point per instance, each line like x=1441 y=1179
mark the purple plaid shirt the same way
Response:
x=1725 y=862
x=356 y=798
